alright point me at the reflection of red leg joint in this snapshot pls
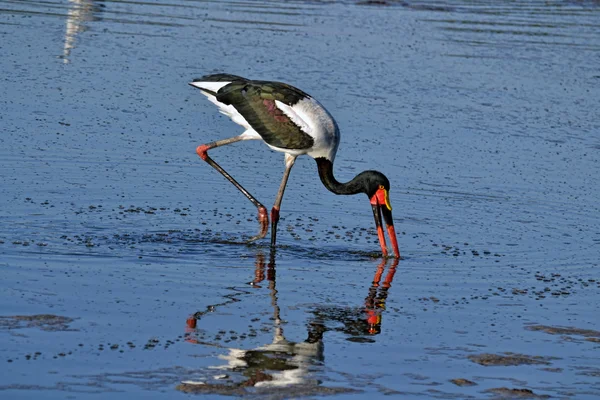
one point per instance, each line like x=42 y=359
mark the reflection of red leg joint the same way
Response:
x=263 y=220
x=202 y=151
x=275 y=214
x=262 y=215
x=191 y=322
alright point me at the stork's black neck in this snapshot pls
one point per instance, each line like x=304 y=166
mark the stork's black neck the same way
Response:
x=359 y=184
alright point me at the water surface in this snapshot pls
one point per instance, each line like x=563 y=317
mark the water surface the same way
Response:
x=115 y=237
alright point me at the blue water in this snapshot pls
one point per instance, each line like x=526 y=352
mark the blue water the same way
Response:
x=484 y=116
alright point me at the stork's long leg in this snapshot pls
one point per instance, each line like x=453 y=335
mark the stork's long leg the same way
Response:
x=202 y=151
x=289 y=163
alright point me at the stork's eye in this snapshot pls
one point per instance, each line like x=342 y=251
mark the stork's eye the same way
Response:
x=381 y=187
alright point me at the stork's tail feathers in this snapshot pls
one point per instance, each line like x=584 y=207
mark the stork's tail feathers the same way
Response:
x=220 y=78
x=210 y=84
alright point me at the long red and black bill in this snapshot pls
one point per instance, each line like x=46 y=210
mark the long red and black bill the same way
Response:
x=389 y=221
x=378 y=210
x=380 y=203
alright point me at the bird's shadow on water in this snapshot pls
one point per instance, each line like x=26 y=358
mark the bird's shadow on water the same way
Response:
x=284 y=365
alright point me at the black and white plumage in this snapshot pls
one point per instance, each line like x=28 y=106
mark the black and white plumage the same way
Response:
x=290 y=121
x=286 y=118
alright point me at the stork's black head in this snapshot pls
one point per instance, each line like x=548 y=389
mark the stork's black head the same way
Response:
x=376 y=186
x=372 y=181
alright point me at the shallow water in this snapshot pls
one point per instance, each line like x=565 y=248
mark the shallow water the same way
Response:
x=113 y=232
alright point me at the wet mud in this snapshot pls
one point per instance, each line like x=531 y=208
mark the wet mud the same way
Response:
x=589 y=334
x=46 y=322
x=462 y=382
x=282 y=393
x=508 y=359
x=126 y=268
x=506 y=393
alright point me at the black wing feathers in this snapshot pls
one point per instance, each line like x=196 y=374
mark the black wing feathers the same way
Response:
x=255 y=101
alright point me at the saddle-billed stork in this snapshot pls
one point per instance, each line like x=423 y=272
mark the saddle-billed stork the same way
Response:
x=292 y=122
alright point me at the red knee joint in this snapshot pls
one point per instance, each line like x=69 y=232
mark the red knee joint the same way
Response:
x=202 y=151
x=275 y=214
x=262 y=214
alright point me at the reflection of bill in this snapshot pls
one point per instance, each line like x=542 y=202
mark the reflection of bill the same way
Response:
x=360 y=324
x=80 y=11
x=283 y=362
x=375 y=301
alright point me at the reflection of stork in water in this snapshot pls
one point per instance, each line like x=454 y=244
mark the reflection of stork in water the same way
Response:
x=79 y=12
x=282 y=362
